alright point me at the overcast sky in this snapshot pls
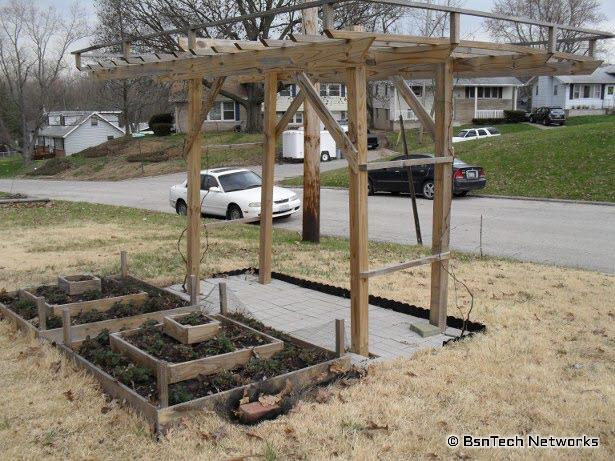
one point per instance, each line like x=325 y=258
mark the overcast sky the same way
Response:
x=471 y=27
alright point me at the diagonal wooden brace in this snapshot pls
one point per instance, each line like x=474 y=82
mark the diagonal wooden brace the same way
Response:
x=341 y=138
x=414 y=103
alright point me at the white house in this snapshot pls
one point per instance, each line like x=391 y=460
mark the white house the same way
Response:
x=69 y=132
x=472 y=98
x=577 y=94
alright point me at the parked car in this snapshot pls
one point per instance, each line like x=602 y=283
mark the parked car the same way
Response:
x=372 y=139
x=233 y=193
x=476 y=133
x=548 y=116
x=465 y=178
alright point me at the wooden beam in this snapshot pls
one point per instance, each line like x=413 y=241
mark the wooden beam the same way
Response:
x=290 y=112
x=194 y=149
x=404 y=163
x=311 y=151
x=455 y=28
x=266 y=226
x=389 y=269
x=359 y=293
x=415 y=104
x=341 y=139
x=443 y=101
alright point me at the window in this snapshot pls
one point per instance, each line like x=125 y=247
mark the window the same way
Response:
x=597 y=91
x=536 y=92
x=208 y=181
x=62 y=120
x=493 y=131
x=58 y=144
x=298 y=117
x=554 y=90
x=470 y=92
x=491 y=92
x=482 y=132
x=240 y=181
x=417 y=90
x=610 y=90
x=222 y=111
x=586 y=89
x=332 y=89
x=288 y=91
x=109 y=138
x=575 y=91
x=93 y=121
x=471 y=134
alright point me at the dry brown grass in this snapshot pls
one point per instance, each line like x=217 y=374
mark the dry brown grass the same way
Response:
x=546 y=364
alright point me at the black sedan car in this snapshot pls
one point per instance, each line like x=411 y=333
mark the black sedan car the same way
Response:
x=465 y=178
x=548 y=116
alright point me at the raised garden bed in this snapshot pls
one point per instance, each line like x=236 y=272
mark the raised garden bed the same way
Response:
x=190 y=328
x=233 y=346
x=78 y=284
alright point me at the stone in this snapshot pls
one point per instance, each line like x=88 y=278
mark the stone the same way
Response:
x=255 y=411
x=425 y=329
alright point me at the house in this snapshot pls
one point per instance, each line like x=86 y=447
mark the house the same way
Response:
x=227 y=114
x=68 y=132
x=577 y=94
x=472 y=98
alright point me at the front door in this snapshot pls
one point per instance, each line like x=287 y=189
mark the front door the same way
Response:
x=609 y=96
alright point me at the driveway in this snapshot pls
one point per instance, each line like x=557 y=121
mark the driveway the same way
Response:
x=567 y=234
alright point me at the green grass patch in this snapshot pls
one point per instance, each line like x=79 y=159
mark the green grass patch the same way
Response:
x=11 y=166
x=573 y=162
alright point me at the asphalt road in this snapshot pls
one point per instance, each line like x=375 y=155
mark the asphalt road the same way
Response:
x=567 y=234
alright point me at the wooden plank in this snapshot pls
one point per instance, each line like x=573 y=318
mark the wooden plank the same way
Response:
x=415 y=104
x=120 y=345
x=189 y=334
x=194 y=147
x=443 y=102
x=41 y=307
x=290 y=112
x=100 y=305
x=228 y=222
x=404 y=163
x=19 y=322
x=162 y=382
x=388 y=269
x=359 y=294
x=266 y=221
x=455 y=28
x=552 y=40
x=66 y=328
x=72 y=286
x=341 y=138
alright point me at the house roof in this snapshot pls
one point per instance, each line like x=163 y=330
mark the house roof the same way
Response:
x=605 y=74
x=58 y=131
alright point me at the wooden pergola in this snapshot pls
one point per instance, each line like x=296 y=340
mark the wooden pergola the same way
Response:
x=354 y=57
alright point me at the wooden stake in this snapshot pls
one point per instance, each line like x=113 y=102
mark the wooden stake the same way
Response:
x=66 y=327
x=194 y=290
x=415 y=212
x=443 y=100
x=42 y=313
x=311 y=151
x=195 y=97
x=124 y=264
x=552 y=40
x=357 y=129
x=327 y=16
x=162 y=380
x=223 y=298
x=340 y=339
x=266 y=224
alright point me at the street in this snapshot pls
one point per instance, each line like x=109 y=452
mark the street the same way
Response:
x=566 y=234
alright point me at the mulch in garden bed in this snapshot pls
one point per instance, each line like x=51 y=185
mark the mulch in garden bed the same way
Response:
x=98 y=351
x=28 y=310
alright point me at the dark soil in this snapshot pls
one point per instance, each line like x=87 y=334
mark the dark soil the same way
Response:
x=79 y=278
x=109 y=289
x=231 y=337
x=291 y=358
x=194 y=319
x=28 y=310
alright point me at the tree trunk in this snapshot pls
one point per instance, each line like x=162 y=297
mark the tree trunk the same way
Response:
x=128 y=128
x=254 y=116
x=25 y=137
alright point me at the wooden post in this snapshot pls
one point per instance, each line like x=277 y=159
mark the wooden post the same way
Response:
x=443 y=100
x=223 y=298
x=415 y=211
x=340 y=339
x=311 y=151
x=194 y=290
x=455 y=27
x=327 y=16
x=126 y=50
x=42 y=313
x=162 y=380
x=266 y=223
x=357 y=129
x=66 y=327
x=123 y=264
x=195 y=98
x=552 y=40
x=591 y=48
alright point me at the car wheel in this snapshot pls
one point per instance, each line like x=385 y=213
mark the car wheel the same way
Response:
x=429 y=189
x=324 y=156
x=545 y=122
x=181 y=208
x=370 y=187
x=233 y=212
x=461 y=194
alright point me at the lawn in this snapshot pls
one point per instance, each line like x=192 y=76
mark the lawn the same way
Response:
x=544 y=366
x=572 y=162
x=124 y=158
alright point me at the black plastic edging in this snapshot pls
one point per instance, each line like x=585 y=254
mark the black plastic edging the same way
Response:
x=397 y=306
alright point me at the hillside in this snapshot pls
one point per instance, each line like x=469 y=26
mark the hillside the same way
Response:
x=576 y=161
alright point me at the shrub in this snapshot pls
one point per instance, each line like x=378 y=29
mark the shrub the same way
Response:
x=161 y=124
x=488 y=121
x=51 y=167
x=514 y=116
x=149 y=157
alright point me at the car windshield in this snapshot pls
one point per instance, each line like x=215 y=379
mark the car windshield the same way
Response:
x=557 y=111
x=240 y=180
x=459 y=163
x=462 y=134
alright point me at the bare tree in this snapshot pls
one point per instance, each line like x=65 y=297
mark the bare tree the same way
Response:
x=577 y=13
x=33 y=45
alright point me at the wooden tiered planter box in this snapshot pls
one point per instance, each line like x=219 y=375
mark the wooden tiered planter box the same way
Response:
x=190 y=334
x=204 y=366
x=78 y=284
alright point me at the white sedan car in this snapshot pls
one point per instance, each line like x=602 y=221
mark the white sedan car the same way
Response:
x=476 y=133
x=233 y=193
